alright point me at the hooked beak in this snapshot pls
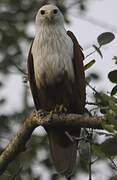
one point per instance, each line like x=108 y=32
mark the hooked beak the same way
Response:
x=50 y=15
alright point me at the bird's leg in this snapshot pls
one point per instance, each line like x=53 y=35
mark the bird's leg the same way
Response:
x=71 y=138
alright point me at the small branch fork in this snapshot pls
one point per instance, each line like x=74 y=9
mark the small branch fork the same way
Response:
x=18 y=143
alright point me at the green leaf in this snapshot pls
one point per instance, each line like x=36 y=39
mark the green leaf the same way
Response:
x=113 y=76
x=97 y=150
x=105 y=38
x=115 y=59
x=109 y=102
x=98 y=50
x=110 y=146
x=108 y=127
x=114 y=122
x=55 y=176
x=103 y=110
x=114 y=90
x=113 y=177
x=1 y=84
x=88 y=65
x=113 y=105
x=104 y=99
x=94 y=76
x=107 y=148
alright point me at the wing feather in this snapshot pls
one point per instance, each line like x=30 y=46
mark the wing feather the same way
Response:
x=79 y=73
x=32 y=81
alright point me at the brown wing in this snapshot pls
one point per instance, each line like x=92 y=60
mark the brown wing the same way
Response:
x=32 y=81
x=79 y=73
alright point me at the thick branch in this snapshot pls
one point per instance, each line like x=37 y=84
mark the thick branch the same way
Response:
x=17 y=144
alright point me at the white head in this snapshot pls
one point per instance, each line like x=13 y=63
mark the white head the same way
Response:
x=48 y=15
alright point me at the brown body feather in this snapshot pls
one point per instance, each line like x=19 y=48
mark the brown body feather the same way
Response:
x=71 y=95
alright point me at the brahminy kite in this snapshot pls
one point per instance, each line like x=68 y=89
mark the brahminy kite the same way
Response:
x=56 y=77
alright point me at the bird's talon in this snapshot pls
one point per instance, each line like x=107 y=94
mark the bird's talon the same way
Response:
x=51 y=115
x=62 y=109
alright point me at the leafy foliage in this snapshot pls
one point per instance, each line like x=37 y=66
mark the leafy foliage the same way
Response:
x=106 y=149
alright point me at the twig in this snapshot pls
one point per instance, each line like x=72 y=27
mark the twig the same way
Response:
x=90 y=161
x=104 y=133
x=89 y=140
x=17 y=173
x=92 y=103
x=94 y=161
x=69 y=136
x=90 y=54
x=113 y=163
x=92 y=88
x=19 y=68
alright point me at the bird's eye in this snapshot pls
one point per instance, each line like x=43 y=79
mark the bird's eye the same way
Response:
x=55 y=11
x=42 y=12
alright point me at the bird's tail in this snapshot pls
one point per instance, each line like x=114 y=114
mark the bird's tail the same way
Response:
x=63 y=149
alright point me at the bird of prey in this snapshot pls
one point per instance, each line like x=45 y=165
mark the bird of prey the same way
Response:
x=56 y=77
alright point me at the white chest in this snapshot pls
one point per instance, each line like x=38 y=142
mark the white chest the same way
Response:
x=52 y=54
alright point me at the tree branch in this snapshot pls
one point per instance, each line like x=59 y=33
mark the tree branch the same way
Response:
x=18 y=143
